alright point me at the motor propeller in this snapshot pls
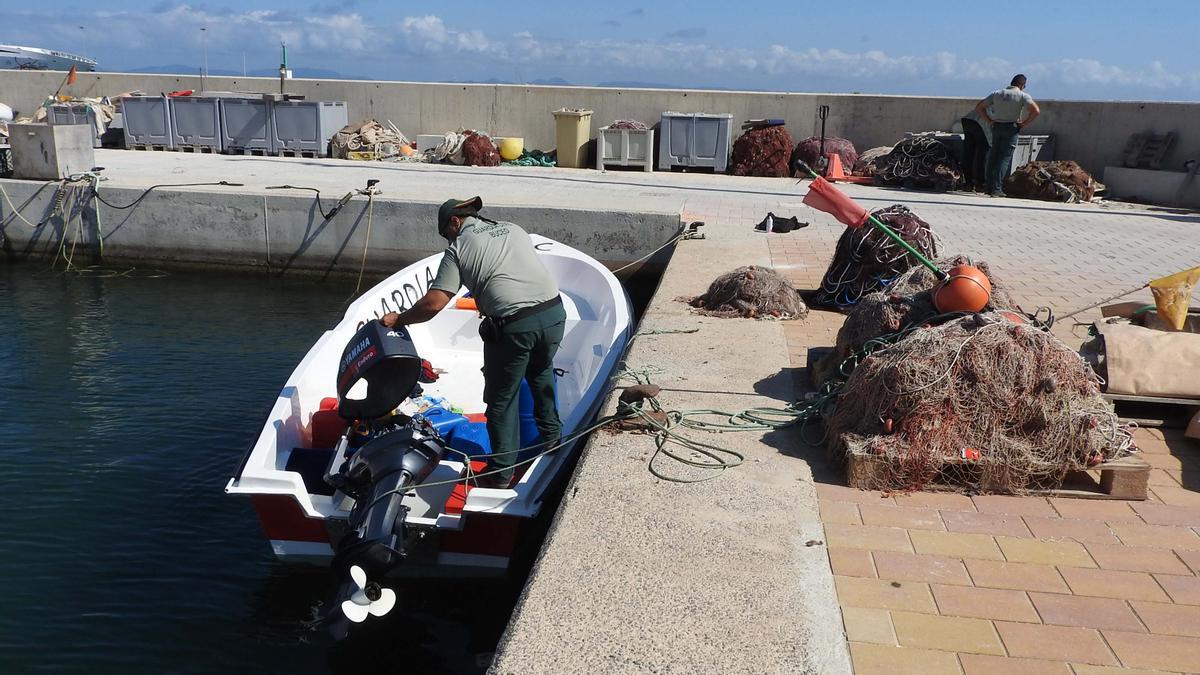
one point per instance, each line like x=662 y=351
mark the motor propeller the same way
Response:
x=369 y=598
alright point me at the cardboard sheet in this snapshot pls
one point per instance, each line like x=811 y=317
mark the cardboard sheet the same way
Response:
x=1147 y=362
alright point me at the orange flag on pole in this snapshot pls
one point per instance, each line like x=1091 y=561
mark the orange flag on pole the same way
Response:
x=72 y=75
x=823 y=196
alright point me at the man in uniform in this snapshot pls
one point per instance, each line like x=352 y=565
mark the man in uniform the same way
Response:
x=522 y=328
x=1002 y=110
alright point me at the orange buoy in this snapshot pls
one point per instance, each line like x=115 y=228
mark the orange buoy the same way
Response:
x=967 y=289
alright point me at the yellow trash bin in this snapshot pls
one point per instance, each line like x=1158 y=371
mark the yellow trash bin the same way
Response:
x=572 y=129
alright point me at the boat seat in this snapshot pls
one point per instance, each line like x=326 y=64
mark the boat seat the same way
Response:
x=326 y=428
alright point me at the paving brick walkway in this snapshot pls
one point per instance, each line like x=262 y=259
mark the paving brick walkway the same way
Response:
x=945 y=583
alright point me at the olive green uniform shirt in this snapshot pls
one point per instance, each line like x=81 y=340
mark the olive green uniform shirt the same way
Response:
x=497 y=263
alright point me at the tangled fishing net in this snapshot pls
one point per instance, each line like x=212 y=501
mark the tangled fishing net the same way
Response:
x=866 y=260
x=919 y=162
x=809 y=150
x=906 y=300
x=479 y=150
x=628 y=124
x=751 y=292
x=763 y=152
x=1052 y=182
x=981 y=402
x=865 y=166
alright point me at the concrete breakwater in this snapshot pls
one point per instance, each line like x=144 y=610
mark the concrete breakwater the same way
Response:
x=246 y=224
x=1092 y=133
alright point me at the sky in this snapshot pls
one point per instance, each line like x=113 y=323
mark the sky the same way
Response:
x=1099 y=49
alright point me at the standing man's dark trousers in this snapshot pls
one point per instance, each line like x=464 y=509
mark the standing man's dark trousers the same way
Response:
x=1004 y=144
x=975 y=151
x=525 y=350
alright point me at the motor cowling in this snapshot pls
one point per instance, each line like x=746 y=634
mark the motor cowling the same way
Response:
x=387 y=360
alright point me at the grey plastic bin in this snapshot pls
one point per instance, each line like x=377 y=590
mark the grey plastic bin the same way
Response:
x=147 y=122
x=74 y=113
x=246 y=125
x=196 y=123
x=694 y=140
x=305 y=127
x=1032 y=148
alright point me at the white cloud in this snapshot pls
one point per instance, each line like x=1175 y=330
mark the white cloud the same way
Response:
x=350 y=41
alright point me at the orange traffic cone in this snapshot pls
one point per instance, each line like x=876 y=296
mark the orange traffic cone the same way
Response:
x=835 y=170
x=837 y=174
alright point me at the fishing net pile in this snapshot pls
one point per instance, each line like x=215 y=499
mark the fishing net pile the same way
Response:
x=1052 y=182
x=906 y=300
x=865 y=166
x=919 y=162
x=368 y=140
x=980 y=402
x=866 y=260
x=628 y=124
x=765 y=152
x=809 y=151
x=479 y=150
x=987 y=402
x=750 y=292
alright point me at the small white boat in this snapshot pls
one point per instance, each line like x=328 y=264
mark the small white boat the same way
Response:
x=450 y=528
x=14 y=57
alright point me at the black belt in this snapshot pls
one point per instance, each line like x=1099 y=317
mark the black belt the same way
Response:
x=528 y=311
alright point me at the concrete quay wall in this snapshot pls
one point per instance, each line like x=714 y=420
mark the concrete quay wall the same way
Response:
x=1092 y=133
x=288 y=233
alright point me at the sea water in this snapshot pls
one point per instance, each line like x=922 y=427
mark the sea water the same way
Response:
x=126 y=404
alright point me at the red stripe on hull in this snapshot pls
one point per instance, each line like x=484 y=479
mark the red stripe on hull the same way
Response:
x=283 y=519
x=484 y=534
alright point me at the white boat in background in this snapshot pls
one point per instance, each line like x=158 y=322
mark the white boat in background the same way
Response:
x=452 y=528
x=14 y=57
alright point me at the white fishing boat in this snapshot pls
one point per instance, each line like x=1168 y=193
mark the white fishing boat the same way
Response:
x=14 y=57
x=431 y=521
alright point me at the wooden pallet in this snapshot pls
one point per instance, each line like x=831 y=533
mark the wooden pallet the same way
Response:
x=149 y=147
x=1154 y=411
x=1124 y=478
x=197 y=149
x=1147 y=150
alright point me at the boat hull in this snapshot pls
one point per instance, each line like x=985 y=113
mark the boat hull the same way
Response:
x=465 y=531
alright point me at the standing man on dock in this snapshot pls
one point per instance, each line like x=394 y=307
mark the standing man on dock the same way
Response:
x=1002 y=110
x=522 y=326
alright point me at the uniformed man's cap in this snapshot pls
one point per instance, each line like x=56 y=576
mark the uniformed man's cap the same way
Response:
x=456 y=207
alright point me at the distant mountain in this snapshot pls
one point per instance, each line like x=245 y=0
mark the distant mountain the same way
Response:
x=305 y=73
x=551 y=82
x=633 y=84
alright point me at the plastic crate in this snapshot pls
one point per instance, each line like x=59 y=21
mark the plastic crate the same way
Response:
x=429 y=141
x=305 y=127
x=246 y=125
x=196 y=123
x=147 y=122
x=625 y=147
x=74 y=113
x=1032 y=148
x=694 y=140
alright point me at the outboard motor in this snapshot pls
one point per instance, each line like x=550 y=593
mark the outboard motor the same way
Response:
x=392 y=453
